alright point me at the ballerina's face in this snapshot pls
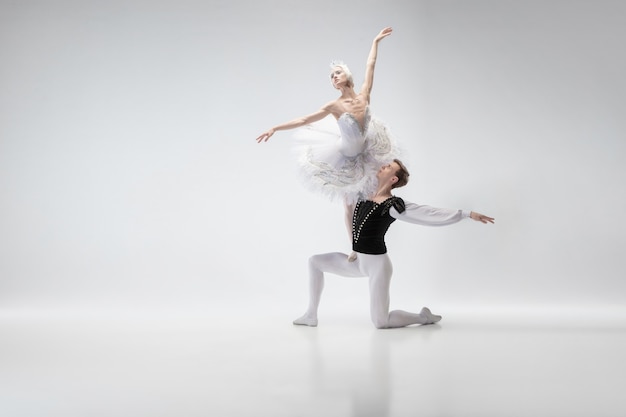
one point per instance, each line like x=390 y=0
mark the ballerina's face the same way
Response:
x=339 y=77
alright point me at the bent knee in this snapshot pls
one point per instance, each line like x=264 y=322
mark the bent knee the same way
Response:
x=314 y=260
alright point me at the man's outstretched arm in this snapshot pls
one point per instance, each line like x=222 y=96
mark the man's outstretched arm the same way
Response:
x=434 y=216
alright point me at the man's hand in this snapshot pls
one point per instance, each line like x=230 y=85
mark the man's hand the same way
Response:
x=481 y=217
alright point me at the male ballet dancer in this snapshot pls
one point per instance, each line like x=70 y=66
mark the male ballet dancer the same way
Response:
x=371 y=220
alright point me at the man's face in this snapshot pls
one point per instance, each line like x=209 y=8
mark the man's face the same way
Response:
x=387 y=172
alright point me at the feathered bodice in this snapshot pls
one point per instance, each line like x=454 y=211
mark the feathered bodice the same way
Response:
x=353 y=133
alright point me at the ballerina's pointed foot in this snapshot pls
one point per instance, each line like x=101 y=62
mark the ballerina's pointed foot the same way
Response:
x=306 y=321
x=352 y=257
x=429 y=317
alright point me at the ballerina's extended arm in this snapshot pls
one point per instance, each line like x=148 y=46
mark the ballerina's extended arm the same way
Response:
x=366 y=88
x=292 y=124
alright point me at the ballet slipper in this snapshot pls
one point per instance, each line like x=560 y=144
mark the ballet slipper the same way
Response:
x=429 y=317
x=305 y=321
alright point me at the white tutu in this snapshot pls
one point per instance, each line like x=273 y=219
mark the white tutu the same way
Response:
x=340 y=160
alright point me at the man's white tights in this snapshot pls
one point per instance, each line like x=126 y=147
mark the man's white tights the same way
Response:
x=378 y=269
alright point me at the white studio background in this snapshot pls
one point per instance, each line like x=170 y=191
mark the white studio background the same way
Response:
x=130 y=176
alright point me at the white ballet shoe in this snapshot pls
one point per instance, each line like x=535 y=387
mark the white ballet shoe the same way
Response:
x=429 y=317
x=305 y=321
x=352 y=257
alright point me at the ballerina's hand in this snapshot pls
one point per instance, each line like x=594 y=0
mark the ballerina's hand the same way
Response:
x=481 y=217
x=265 y=136
x=383 y=34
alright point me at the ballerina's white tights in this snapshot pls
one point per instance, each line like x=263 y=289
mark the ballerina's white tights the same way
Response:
x=379 y=269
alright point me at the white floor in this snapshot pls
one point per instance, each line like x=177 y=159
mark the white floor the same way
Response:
x=175 y=365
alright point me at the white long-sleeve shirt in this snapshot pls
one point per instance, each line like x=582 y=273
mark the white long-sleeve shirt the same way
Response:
x=427 y=215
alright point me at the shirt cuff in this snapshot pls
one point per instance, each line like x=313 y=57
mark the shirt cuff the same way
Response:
x=465 y=213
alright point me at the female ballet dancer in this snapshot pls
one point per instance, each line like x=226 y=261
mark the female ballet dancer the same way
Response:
x=344 y=166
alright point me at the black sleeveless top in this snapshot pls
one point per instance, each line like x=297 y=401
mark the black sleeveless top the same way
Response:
x=370 y=222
